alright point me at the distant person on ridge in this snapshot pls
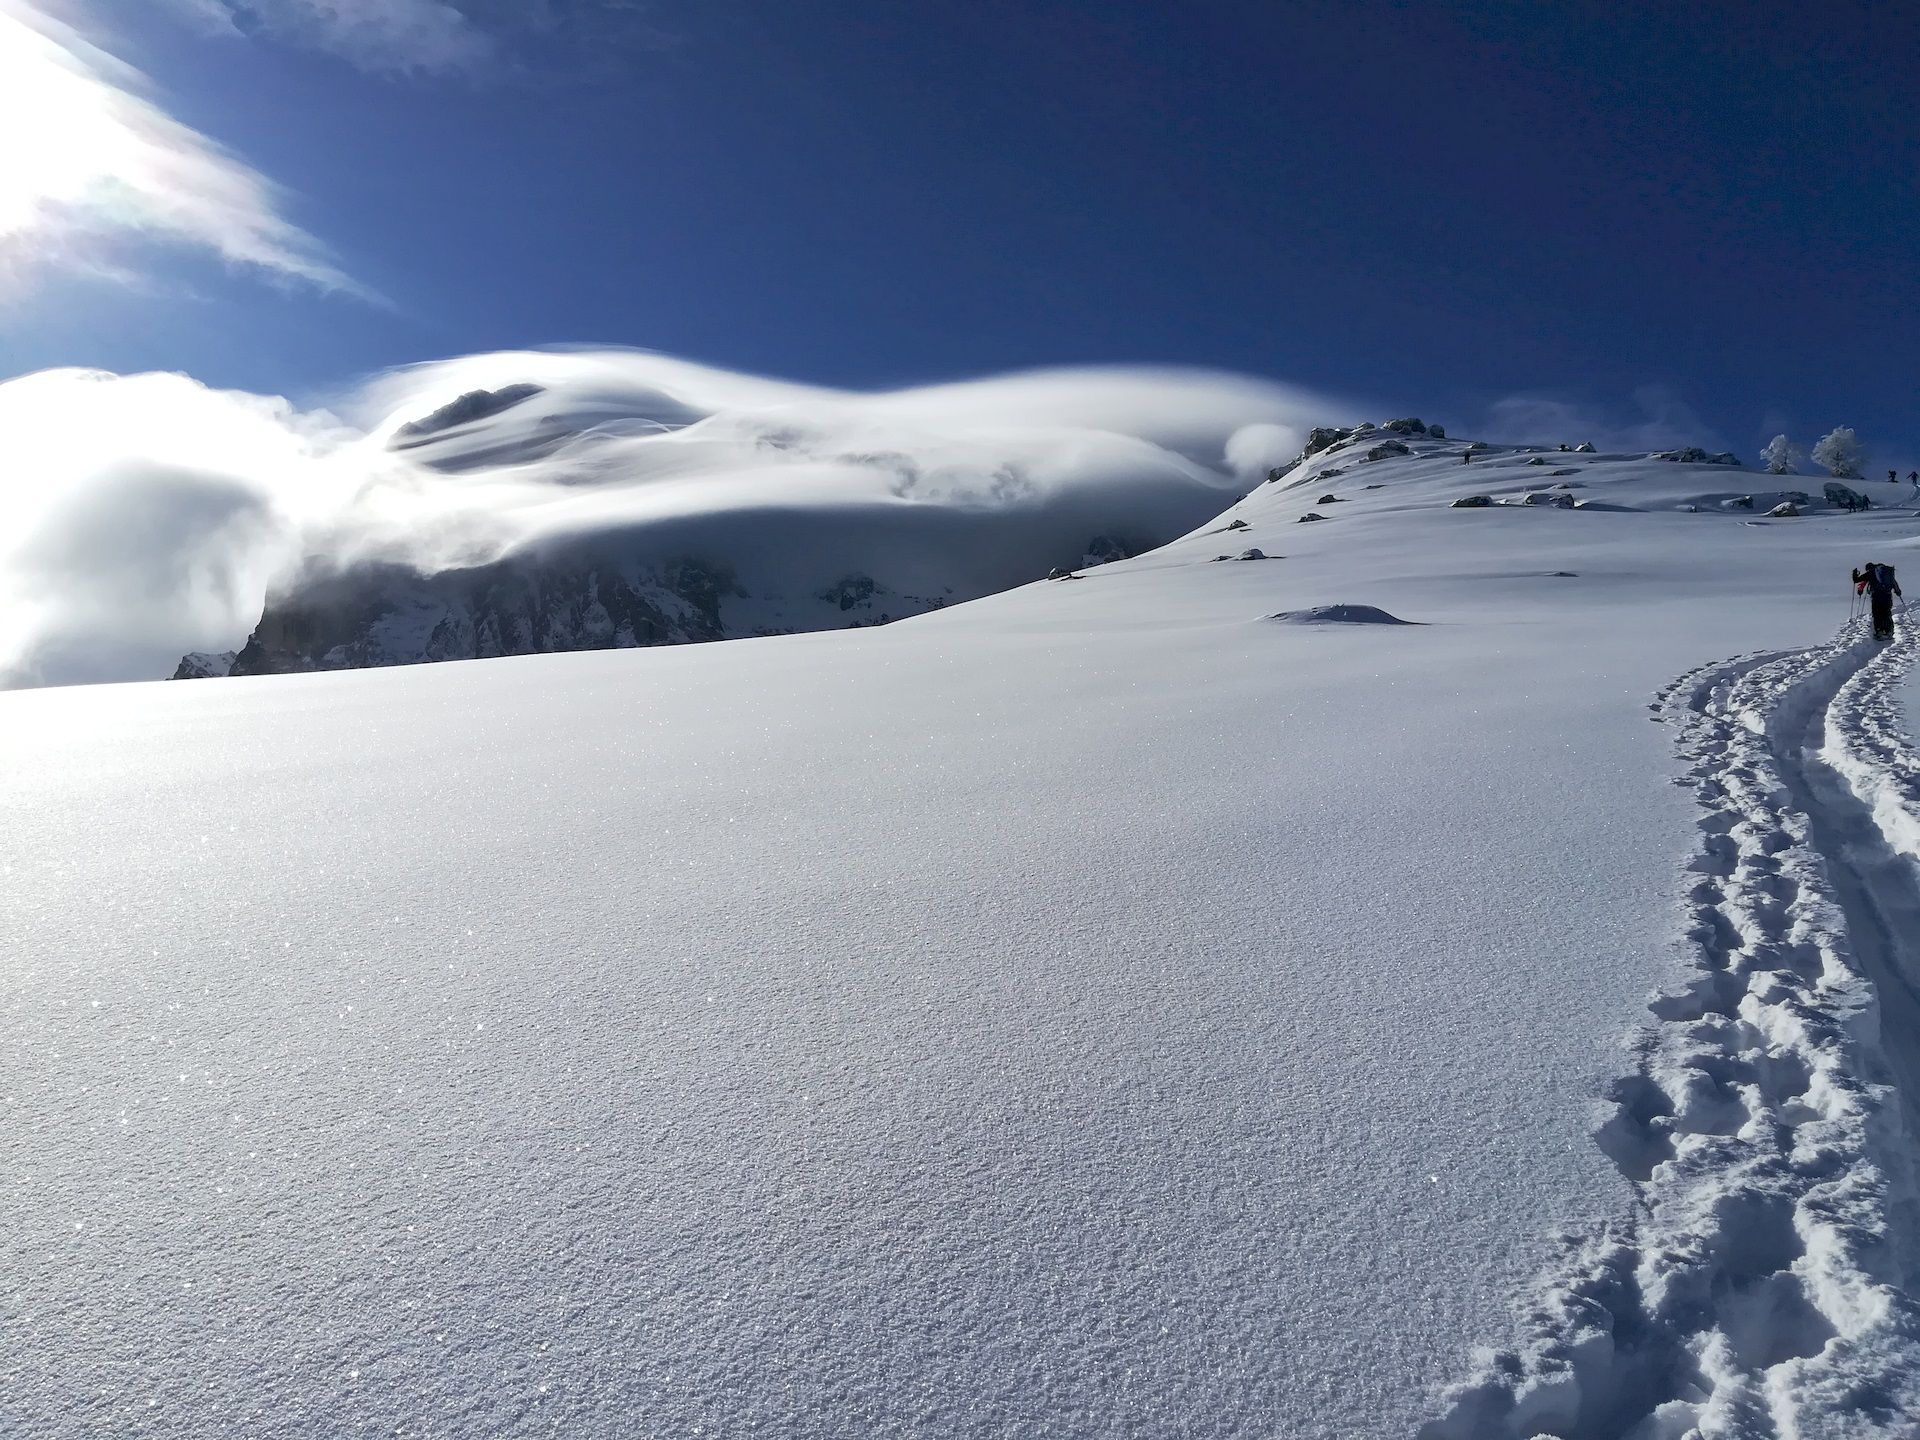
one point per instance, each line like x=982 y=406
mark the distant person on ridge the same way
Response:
x=1877 y=582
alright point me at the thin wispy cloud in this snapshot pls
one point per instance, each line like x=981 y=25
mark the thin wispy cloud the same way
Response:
x=1656 y=419
x=542 y=41
x=106 y=170
x=394 y=37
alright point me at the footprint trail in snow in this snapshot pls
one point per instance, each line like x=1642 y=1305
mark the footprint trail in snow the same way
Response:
x=1763 y=1290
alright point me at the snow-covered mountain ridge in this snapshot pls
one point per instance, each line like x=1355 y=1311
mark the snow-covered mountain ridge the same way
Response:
x=597 y=593
x=670 y=525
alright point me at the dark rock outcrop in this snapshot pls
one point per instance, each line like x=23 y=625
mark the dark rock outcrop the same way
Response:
x=204 y=665
x=381 y=615
x=472 y=406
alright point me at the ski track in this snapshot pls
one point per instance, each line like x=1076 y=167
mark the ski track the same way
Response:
x=1762 y=1288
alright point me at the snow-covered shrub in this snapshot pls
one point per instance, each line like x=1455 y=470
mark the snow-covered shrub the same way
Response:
x=1840 y=453
x=1781 y=455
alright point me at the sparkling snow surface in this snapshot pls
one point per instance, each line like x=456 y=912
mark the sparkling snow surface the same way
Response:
x=1088 y=1011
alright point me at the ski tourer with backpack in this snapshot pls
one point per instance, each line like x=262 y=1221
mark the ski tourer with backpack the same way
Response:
x=1877 y=583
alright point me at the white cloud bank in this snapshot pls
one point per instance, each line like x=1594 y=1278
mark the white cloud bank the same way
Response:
x=144 y=516
x=92 y=164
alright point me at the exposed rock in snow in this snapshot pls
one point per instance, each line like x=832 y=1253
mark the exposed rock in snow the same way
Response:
x=1104 y=550
x=1786 y=509
x=472 y=406
x=851 y=591
x=1388 y=448
x=1845 y=497
x=1473 y=502
x=1585 y=447
x=1694 y=455
x=1310 y=515
x=204 y=665
x=1325 y=437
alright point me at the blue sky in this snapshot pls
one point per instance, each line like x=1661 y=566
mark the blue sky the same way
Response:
x=1651 y=219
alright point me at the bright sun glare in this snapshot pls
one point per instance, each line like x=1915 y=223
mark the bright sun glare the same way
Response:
x=89 y=155
x=69 y=145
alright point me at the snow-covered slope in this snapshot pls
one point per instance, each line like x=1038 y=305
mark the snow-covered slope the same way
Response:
x=1102 y=1008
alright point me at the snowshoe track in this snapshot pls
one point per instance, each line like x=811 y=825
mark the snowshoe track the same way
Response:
x=1762 y=1290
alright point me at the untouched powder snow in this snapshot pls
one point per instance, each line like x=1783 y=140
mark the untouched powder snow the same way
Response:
x=1091 y=1010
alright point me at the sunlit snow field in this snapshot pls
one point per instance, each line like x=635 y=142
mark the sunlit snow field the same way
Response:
x=1092 y=1010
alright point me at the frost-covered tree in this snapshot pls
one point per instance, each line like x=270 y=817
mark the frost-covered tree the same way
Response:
x=1840 y=453
x=1781 y=455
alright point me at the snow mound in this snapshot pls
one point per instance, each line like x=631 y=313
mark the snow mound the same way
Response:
x=1340 y=615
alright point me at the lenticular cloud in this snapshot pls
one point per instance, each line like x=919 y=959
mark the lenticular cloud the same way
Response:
x=147 y=515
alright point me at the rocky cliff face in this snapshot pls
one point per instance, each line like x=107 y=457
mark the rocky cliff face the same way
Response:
x=204 y=665
x=381 y=615
x=388 y=615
